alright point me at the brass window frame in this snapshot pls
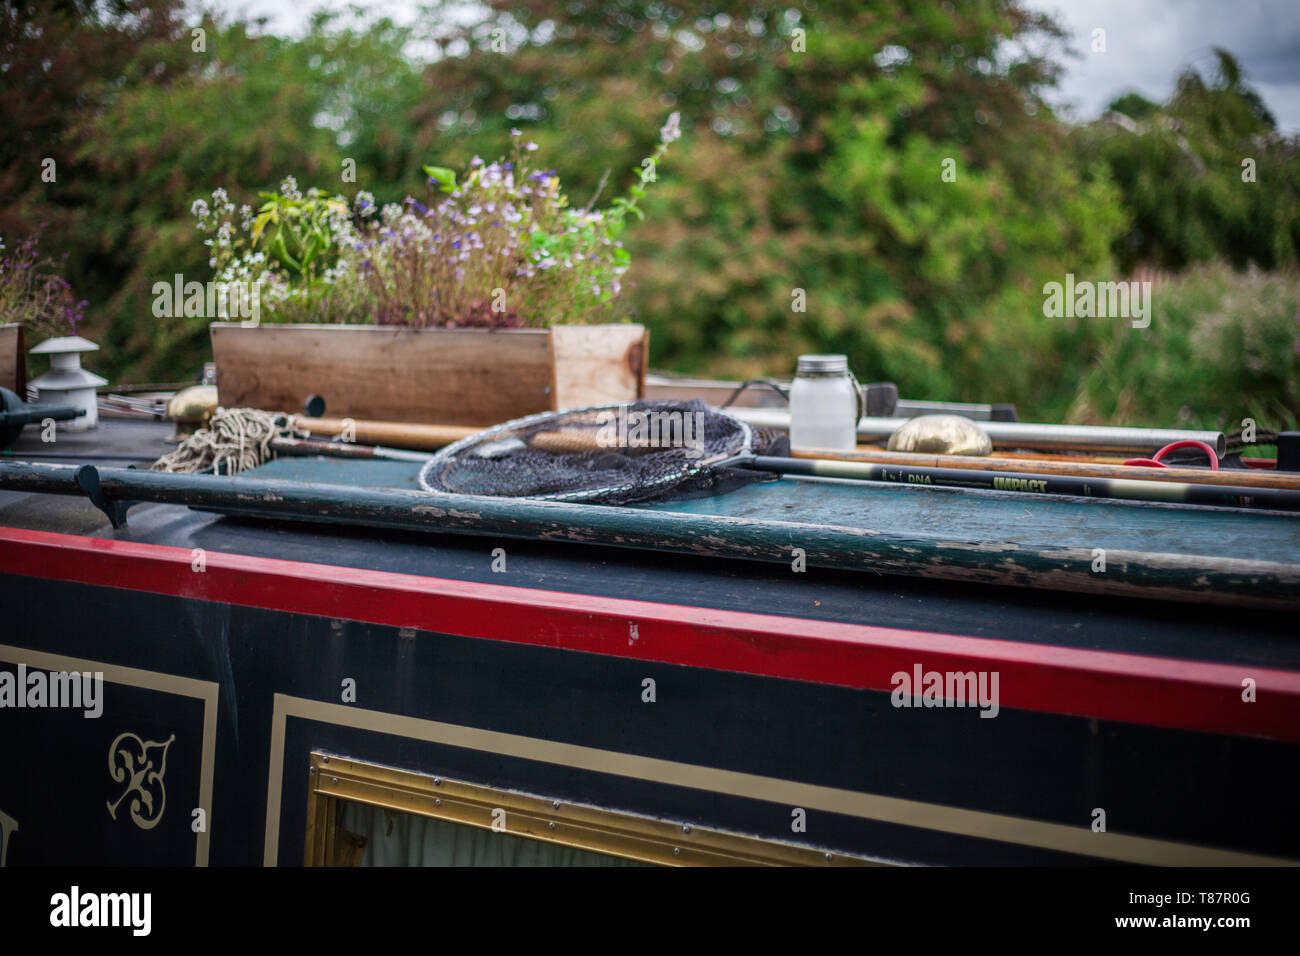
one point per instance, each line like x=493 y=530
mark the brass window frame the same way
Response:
x=332 y=778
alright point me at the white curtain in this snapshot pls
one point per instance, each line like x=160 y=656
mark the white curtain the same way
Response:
x=404 y=839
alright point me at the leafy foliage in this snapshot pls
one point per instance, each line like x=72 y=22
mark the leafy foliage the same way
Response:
x=301 y=232
x=165 y=123
x=500 y=247
x=819 y=136
x=1206 y=176
x=814 y=170
x=1222 y=346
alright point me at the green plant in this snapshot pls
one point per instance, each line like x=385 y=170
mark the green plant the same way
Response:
x=498 y=247
x=1222 y=346
x=298 y=230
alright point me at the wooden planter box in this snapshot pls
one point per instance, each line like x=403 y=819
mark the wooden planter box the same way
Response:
x=438 y=376
x=13 y=360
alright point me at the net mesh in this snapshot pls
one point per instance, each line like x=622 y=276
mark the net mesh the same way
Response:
x=609 y=454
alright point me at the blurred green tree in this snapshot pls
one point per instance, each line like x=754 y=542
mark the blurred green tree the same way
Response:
x=1222 y=346
x=890 y=167
x=59 y=58
x=819 y=138
x=1205 y=176
x=178 y=114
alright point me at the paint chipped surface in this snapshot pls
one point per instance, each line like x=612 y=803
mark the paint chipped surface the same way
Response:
x=976 y=537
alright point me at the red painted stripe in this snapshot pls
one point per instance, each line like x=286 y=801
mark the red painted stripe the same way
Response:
x=1157 y=691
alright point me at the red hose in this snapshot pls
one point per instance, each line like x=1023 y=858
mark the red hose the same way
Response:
x=1155 y=462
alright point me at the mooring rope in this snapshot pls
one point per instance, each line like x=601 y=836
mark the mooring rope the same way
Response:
x=235 y=439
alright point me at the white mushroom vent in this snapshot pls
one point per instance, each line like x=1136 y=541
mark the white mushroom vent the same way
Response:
x=67 y=383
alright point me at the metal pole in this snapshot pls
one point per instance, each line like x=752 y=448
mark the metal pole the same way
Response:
x=1021 y=434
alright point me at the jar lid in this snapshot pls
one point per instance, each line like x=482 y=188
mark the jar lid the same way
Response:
x=823 y=364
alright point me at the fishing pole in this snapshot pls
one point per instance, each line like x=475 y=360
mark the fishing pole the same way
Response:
x=336 y=449
x=1131 y=489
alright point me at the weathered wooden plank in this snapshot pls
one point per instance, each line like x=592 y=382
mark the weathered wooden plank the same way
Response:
x=1189 y=576
x=450 y=376
x=1025 y=520
x=1032 y=522
x=13 y=359
x=598 y=364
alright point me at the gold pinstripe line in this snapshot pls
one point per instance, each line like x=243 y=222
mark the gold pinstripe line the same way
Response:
x=930 y=816
x=206 y=691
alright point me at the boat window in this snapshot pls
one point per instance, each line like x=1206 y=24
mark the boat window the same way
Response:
x=363 y=814
x=369 y=835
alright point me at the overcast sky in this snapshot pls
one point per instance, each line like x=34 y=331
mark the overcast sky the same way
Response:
x=1148 y=43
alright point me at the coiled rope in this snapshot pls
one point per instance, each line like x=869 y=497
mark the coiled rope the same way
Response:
x=234 y=440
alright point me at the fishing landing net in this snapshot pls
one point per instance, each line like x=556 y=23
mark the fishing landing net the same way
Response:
x=607 y=454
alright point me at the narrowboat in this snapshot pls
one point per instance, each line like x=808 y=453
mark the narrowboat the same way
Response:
x=319 y=661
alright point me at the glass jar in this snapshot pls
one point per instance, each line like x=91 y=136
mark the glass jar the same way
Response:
x=824 y=404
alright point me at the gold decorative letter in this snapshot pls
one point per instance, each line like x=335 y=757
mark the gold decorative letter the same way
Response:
x=141 y=765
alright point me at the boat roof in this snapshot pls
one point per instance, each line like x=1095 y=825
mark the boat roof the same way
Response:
x=1037 y=614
